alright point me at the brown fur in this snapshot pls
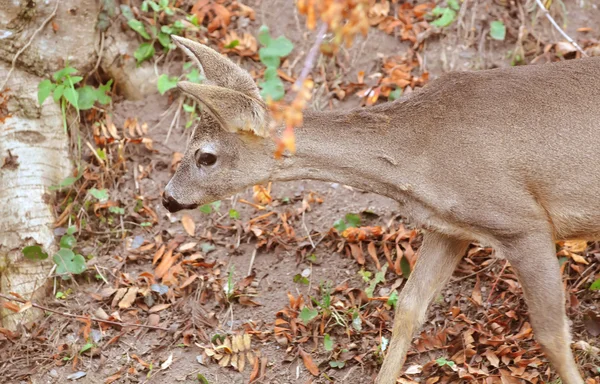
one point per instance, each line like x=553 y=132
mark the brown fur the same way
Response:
x=505 y=157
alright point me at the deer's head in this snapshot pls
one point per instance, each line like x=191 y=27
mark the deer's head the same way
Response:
x=228 y=150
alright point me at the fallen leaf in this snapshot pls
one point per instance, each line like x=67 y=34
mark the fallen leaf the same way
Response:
x=167 y=362
x=159 y=307
x=308 y=362
x=188 y=224
x=129 y=298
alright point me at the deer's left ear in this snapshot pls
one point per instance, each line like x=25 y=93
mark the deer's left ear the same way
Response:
x=218 y=69
x=233 y=110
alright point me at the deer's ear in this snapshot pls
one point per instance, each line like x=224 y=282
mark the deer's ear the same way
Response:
x=218 y=69
x=233 y=110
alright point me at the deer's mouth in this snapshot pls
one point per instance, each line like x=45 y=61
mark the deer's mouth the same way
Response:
x=173 y=205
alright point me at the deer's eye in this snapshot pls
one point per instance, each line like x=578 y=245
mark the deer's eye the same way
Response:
x=205 y=159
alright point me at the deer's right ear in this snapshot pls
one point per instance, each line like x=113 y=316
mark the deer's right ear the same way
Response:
x=234 y=110
x=218 y=69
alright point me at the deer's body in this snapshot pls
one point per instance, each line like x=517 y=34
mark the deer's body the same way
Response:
x=508 y=157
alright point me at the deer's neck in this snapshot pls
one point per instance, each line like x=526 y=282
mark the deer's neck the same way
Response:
x=360 y=148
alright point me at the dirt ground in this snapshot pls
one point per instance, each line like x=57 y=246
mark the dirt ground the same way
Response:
x=44 y=353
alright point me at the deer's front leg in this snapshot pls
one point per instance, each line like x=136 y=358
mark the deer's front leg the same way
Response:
x=438 y=258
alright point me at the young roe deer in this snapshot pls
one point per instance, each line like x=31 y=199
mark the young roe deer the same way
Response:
x=507 y=157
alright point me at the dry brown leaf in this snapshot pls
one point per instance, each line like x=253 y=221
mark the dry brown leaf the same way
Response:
x=159 y=307
x=576 y=246
x=188 y=224
x=129 y=298
x=308 y=362
x=476 y=295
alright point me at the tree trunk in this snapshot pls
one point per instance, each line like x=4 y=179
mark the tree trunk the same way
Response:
x=34 y=148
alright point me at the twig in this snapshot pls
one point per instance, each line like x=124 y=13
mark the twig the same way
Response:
x=72 y=316
x=307 y=231
x=99 y=54
x=310 y=58
x=559 y=29
x=497 y=280
x=490 y=265
x=251 y=262
x=175 y=118
x=23 y=48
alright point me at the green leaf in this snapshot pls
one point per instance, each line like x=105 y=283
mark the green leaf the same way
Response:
x=327 y=343
x=379 y=278
x=67 y=262
x=86 y=347
x=58 y=92
x=340 y=225
x=395 y=94
x=154 y=6
x=263 y=35
x=443 y=361
x=144 y=52
x=194 y=76
x=307 y=314
x=164 y=40
x=137 y=26
x=34 y=252
x=233 y=214
x=66 y=71
x=448 y=15
x=337 y=364
x=100 y=194
x=45 y=87
x=272 y=86
x=116 y=210
x=165 y=83
x=126 y=11
x=68 y=241
x=75 y=79
x=595 y=285
x=497 y=30
x=164 y=3
x=233 y=44
x=87 y=97
x=453 y=4
x=393 y=299
x=71 y=230
x=298 y=278
x=202 y=379
x=216 y=205
x=205 y=209
x=72 y=96
x=353 y=220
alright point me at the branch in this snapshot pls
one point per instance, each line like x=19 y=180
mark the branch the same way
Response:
x=559 y=29
x=14 y=61
x=72 y=316
x=310 y=58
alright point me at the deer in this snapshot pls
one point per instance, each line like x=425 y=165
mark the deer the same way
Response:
x=506 y=157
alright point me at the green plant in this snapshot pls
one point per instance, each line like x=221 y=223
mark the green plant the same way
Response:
x=67 y=261
x=154 y=32
x=497 y=30
x=270 y=55
x=62 y=88
x=444 y=16
x=595 y=285
x=350 y=220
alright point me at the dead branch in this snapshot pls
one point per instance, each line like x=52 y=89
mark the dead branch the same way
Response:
x=559 y=29
x=72 y=316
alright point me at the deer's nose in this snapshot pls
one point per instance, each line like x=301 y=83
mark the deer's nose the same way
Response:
x=171 y=204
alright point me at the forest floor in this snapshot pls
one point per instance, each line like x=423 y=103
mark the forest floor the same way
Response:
x=316 y=302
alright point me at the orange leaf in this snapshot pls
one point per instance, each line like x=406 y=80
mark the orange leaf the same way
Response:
x=167 y=261
x=158 y=254
x=188 y=224
x=11 y=306
x=309 y=363
x=254 y=374
x=476 y=295
x=373 y=254
x=357 y=253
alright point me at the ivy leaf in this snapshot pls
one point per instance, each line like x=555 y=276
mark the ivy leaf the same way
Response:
x=144 y=52
x=45 y=87
x=34 y=252
x=263 y=35
x=165 y=83
x=337 y=364
x=205 y=209
x=233 y=214
x=447 y=17
x=194 y=76
x=272 y=86
x=100 y=194
x=307 y=314
x=67 y=262
x=68 y=241
x=274 y=49
x=393 y=299
x=137 y=26
x=497 y=30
